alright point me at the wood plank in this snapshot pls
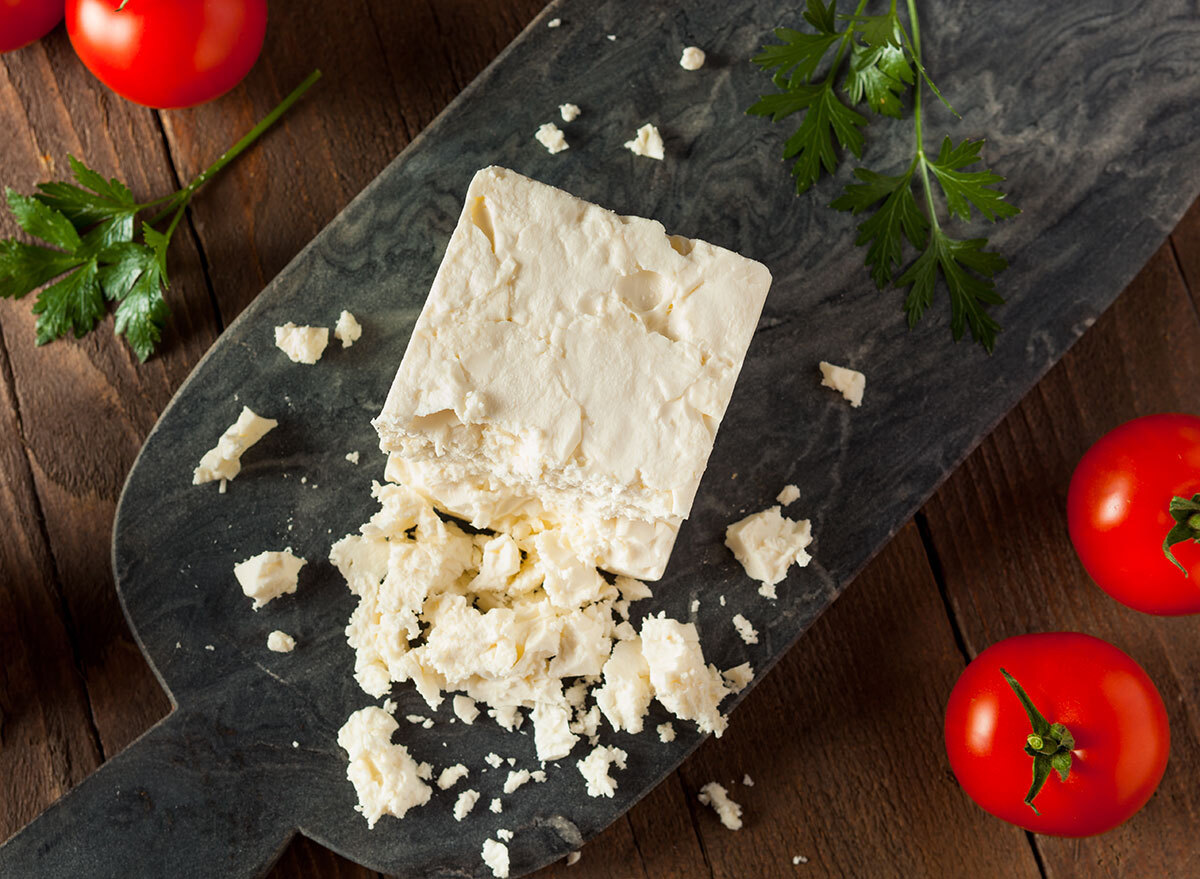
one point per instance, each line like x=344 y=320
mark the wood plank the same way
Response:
x=303 y=857
x=86 y=405
x=999 y=529
x=1186 y=241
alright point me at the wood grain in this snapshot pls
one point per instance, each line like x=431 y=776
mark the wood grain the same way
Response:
x=998 y=528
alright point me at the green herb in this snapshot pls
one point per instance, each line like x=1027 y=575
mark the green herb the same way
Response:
x=90 y=252
x=876 y=61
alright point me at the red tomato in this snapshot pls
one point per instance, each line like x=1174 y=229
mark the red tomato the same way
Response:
x=23 y=21
x=1117 y=512
x=168 y=53
x=1106 y=701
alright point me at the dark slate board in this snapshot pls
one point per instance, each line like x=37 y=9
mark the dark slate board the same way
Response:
x=1091 y=113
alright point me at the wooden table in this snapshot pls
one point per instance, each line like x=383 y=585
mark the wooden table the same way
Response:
x=842 y=739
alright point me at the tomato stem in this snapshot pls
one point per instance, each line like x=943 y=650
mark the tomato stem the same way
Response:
x=1186 y=514
x=1050 y=744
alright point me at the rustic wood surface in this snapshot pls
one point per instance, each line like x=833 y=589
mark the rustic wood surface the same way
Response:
x=842 y=740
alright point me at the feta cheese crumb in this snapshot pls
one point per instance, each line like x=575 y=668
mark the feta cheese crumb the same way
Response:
x=347 y=329
x=768 y=543
x=648 y=143
x=451 y=775
x=612 y=38
x=682 y=682
x=849 y=382
x=496 y=806
x=692 y=58
x=352 y=457
x=594 y=769
x=515 y=779
x=505 y=835
x=551 y=137
x=493 y=760
x=799 y=859
x=281 y=642
x=788 y=494
x=538 y=776
x=695 y=606
x=573 y=858
x=302 y=344
x=666 y=733
x=730 y=813
x=747 y=780
x=745 y=629
x=268 y=575
x=569 y=112
x=415 y=719
x=224 y=461
x=384 y=776
x=554 y=22
x=495 y=855
x=465 y=710
x=389 y=706
x=465 y=803
x=209 y=647
x=738 y=677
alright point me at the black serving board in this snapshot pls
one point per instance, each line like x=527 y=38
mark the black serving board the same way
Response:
x=1091 y=112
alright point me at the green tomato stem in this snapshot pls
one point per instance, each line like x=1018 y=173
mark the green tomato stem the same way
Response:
x=1050 y=744
x=1186 y=514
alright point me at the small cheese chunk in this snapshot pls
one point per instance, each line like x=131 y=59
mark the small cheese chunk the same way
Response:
x=789 y=494
x=551 y=137
x=451 y=775
x=496 y=806
x=268 y=575
x=554 y=22
x=302 y=344
x=515 y=779
x=625 y=697
x=224 y=461
x=745 y=629
x=347 y=329
x=505 y=835
x=648 y=143
x=738 y=677
x=465 y=803
x=666 y=733
x=385 y=777
x=573 y=858
x=747 y=781
x=849 y=382
x=594 y=769
x=730 y=813
x=569 y=112
x=495 y=855
x=352 y=457
x=768 y=543
x=682 y=682
x=465 y=710
x=281 y=642
x=692 y=58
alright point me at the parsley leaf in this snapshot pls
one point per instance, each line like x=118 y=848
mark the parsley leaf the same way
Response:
x=885 y=230
x=74 y=303
x=106 y=198
x=966 y=188
x=968 y=270
x=827 y=120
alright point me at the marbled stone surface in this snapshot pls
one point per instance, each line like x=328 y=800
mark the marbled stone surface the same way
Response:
x=1090 y=112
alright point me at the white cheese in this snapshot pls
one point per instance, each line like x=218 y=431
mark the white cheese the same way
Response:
x=730 y=813
x=738 y=677
x=692 y=58
x=268 y=575
x=515 y=779
x=626 y=694
x=510 y=405
x=551 y=137
x=648 y=143
x=554 y=22
x=569 y=112
x=747 y=780
x=224 y=461
x=496 y=806
x=505 y=835
x=493 y=760
x=451 y=775
x=352 y=457
x=347 y=330
x=465 y=710
x=385 y=777
x=849 y=382
x=465 y=803
x=682 y=682
x=788 y=494
x=799 y=859
x=745 y=629
x=768 y=543
x=281 y=642
x=302 y=344
x=666 y=733
x=594 y=769
x=495 y=855
x=573 y=858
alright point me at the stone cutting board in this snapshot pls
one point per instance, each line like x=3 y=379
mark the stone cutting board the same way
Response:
x=1091 y=112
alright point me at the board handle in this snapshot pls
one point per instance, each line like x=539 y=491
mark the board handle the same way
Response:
x=165 y=806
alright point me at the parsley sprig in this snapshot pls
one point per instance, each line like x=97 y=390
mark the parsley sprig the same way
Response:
x=876 y=61
x=89 y=251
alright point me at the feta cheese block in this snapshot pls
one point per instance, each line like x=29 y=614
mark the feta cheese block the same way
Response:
x=767 y=544
x=849 y=382
x=648 y=143
x=386 y=779
x=268 y=575
x=302 y=344
x=570 y=366
x=224 y=461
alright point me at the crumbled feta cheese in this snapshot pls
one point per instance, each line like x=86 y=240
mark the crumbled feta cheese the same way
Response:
x=224 y=461
x=495 y=855
x=493 y=760
x=682 y=682
x=745 y=629
x=515 y=779
x=505 y=835
x=692 y=58
x=496 y=806
x=415 y=719
x=281 y=642
x=666 y=733
x=849 y=382
x=747 y=780
x=465 y=710
x=538 y=776
x=551 y=137
x=612 y=38
x=573 y=858
x=389 y=706
x=302 y=344
x=569 y=112
x=738 y=677
x=648 y=143
x=451 y=775
x=626 y=694
x=730 y=813
x=268 y=575
x=465 y=803
x=768 y=543
x=554 y=22
x=695 y=605
x=788 y=494
x=799 y=859
x=385 y=777
x=594 y=769
x=347 y=329
x=352 y=457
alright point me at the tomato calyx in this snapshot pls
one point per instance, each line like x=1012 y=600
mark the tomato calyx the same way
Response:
x=1050 y=744
x=1186 y=514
